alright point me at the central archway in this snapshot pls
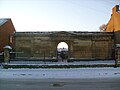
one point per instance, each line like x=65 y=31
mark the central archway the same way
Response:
x=62 y=51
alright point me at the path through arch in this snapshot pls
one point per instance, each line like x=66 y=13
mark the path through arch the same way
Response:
x=62 y=51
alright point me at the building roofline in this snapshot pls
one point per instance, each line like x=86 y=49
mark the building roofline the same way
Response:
x=4 y=20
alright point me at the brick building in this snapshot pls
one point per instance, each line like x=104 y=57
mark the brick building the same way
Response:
x=6 y=33
x=114 y=26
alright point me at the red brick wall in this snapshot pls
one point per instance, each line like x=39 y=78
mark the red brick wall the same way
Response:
x=6 y=30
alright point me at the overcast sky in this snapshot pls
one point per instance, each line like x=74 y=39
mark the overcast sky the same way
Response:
x=57 y=15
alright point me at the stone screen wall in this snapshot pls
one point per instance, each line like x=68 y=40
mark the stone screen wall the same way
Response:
x=81 y=45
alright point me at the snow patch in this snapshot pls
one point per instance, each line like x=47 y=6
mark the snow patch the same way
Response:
x=61 y=73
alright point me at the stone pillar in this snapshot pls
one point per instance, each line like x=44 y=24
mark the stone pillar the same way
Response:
x=7 y=53
x=117 y=54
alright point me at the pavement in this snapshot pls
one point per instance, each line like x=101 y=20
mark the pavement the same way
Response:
x=55 y=73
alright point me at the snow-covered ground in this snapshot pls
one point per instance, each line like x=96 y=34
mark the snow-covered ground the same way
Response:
x=75 y=73
x=61 y=73
x=109 y=62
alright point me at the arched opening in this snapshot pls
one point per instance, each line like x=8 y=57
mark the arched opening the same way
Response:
x=62 y=51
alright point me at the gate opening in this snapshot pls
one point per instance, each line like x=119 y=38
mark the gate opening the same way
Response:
x=62 y=51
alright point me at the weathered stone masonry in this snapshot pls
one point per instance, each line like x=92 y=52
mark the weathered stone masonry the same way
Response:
x=81 y=45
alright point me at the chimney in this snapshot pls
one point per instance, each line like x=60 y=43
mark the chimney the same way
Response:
x=115 y=9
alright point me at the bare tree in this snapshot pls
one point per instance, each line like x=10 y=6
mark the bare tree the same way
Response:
x=102 y=27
